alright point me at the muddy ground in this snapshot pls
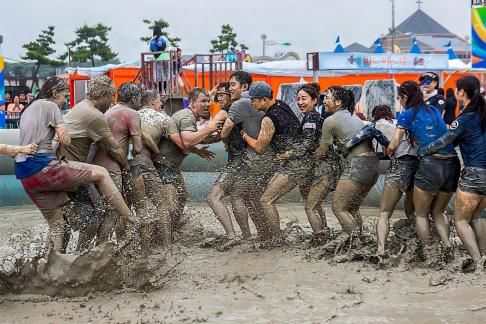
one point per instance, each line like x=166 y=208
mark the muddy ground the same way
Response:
x=295 y=283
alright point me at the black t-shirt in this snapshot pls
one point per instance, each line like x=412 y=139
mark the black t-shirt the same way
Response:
x=436 y=101
x=288 y=128
x=450 y=111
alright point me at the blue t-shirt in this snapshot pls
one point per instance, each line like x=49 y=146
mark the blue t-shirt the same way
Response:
x=465 y=131
x=426 y=127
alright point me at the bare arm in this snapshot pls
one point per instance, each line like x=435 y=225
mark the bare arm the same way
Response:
x=115 y=151
x=225 y=132
x=396 y=139
x=149 y=143
x=212 y=139
x=12 y=150
x=191 y=139
x=264 y=137
x=137 y=144
x=327 y=139
x=63 y=135
x=177 y=139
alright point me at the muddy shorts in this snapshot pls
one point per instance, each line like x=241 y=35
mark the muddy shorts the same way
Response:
x=327 y=169
x=362 y=169
x=473 y=180
x=298 y=168
x=253 y=181
x=401 y=173
x=231 y=172
x=80 y=211
x=167 y=173
x=438 y=174
x=47 y=188
x=152 y=182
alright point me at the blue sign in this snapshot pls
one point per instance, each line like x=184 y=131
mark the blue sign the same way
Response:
x=382 y=61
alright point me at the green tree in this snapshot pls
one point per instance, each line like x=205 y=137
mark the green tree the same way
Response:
x=90 y=44
x=226 y=41
x=163 y=24
x=39 y=50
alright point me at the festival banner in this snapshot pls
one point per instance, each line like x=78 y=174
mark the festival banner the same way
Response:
x=382 y=61
x=478 y=34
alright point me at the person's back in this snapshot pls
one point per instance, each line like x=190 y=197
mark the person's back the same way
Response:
x=169 y=152
x=85 y=125
x=425 y=126
x=450 y=110
x=124 y=122
x=344 y=126
x=472 y=141
x=288 y=128
x=159 y=127
x=37 y=125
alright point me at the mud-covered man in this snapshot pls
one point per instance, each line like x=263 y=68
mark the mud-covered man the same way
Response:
x=170 y=158
x=158 y=125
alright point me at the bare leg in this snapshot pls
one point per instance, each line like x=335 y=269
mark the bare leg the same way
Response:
x=345 y=204
x=221 y=211
x=465 y=205
x=279 y=186
x=57 y=232
x=389 y=199
x=317 y=218
x=440 y=219
x=182 y=197
x=240 y=211
x=478 y=227
x=422 y=202
x=169 y=192
x=409 y=206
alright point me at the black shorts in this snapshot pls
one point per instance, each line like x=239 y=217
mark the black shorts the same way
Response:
x=401 y=173
x=252 y=182
x=362 y=169
x=473 y=180
x=438 y=174
x=168 y=174
x=298 y=168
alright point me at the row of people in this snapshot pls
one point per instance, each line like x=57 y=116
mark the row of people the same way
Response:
x=272 y=148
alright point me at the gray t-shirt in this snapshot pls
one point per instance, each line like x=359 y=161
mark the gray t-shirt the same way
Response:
x=37 y=126
x=388 y=129
x=339 y=128
x=157 y=125
x=244 y=114
x=169 y=152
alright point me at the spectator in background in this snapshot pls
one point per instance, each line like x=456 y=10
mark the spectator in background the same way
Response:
x=440 y=91
x=179 y=60
x=158 y=43
x=22 y=98
x=450 y=107
x=29 y=98
x=15 y=106
x=8 y=98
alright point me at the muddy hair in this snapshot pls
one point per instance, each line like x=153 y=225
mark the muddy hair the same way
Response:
x=194 y=94
x=48 y=90
x=127 y=91
x=224 y=86
x=382 y=111
x=345 y=96
x=148 y=97
x=472 y=87
x=312 y=89
x=242 y=77
x=99 y=87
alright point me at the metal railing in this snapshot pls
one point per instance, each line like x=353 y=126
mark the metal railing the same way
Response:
x=12 y=120
x=159 y=71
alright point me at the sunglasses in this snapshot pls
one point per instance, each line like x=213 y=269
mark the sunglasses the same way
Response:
x=426 y=81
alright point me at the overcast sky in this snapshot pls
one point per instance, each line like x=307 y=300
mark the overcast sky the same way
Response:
x=310 y=25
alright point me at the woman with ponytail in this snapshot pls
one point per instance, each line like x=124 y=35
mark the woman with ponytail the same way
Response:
x=468 y=131
x=361 y=164
x=437 y=174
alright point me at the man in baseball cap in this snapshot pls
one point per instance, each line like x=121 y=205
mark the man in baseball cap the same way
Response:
x=429 y=82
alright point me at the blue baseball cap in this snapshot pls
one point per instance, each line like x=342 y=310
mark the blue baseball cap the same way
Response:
x=260 y=90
